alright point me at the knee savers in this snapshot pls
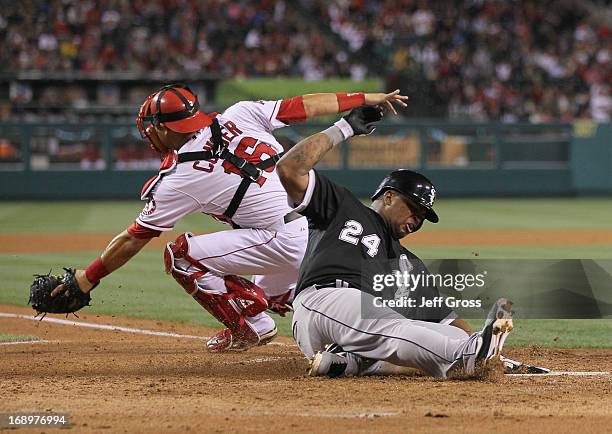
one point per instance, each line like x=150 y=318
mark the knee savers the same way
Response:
x=242 y=297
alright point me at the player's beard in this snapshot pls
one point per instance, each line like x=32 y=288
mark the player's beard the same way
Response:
x=398 y=233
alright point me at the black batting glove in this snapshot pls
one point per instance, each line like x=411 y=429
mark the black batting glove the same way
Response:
x=363 y=119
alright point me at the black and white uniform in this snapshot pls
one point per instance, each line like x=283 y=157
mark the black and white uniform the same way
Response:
x=348 y=244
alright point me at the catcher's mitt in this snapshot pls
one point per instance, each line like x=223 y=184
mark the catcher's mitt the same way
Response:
x=71 y=300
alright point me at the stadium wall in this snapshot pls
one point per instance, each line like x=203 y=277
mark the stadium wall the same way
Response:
x=463 y=159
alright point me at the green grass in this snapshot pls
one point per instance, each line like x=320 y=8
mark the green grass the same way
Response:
x=141 y=288
x=84 y=217
x=231 y=91
x=603 y=251
x=5 y=337
x=123 y=293
x=109 y=216
x=575 y=213
x=555 y=333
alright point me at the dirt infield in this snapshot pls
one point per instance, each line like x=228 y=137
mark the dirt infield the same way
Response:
x=66 y=242
x=111 y=381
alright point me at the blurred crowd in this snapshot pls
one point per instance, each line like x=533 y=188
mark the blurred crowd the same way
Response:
x=232 y=38
x=536 y=60
x=514 y=60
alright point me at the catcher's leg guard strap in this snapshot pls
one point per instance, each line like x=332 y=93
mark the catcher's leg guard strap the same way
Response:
x=243 y=297
x=179 y=249
x=223 y=309
x=249 y=295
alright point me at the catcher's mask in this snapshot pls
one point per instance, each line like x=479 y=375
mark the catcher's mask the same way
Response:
x=175 y=107
x=412 y=186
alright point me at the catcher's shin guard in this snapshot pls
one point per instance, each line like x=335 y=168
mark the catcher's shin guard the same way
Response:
x=242 y=299
x=250 y=296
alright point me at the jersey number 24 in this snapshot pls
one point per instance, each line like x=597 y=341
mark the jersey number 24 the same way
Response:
x=351 y=233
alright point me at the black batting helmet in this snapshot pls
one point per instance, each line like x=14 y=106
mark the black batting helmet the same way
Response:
x=414 y=187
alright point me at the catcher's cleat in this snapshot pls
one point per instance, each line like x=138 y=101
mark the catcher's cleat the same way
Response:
x=334 y=362
x=226 y=340
x=497 y=328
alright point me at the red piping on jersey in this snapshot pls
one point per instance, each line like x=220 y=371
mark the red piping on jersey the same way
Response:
x=141 y=233
x=292 y=110
x=239 y=250
x=273 y=111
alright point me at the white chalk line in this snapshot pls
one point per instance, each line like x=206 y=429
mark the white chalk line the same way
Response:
x=183 y=336
x=334 y=415
x=25 y=342
x=368 y=415
x=113 y=327
x=256 y=360
x=102 y=326
x=566 y=374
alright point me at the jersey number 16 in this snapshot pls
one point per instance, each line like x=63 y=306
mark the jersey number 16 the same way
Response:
x=251 y=150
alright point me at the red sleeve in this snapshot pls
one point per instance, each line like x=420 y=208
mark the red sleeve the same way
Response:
x=140 y=232
x=292 y=110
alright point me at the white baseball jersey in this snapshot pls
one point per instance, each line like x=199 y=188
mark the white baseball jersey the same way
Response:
x=208 y=186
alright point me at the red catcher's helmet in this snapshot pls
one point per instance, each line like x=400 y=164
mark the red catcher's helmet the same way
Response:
x=174 y=106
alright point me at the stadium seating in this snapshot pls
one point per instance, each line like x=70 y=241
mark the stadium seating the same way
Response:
x=523 y=60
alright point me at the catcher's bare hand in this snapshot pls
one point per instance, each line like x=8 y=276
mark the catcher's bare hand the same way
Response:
x=387 y=100
x=84 y=284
